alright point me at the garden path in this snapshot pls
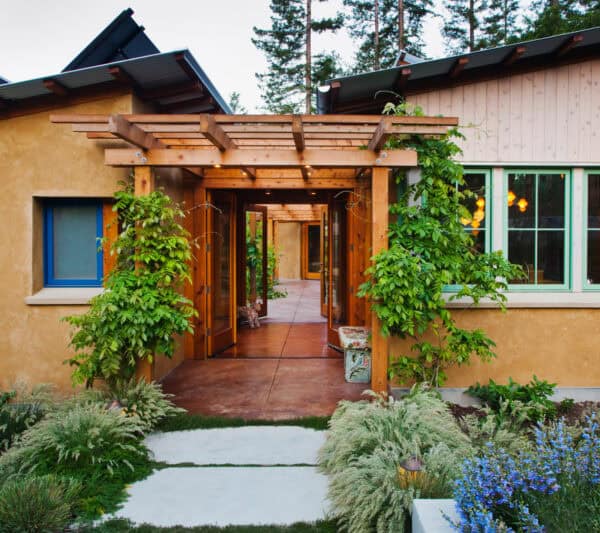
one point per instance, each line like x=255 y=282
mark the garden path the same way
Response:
x=240 y=476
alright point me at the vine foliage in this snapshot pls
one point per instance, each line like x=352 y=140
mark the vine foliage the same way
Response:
x=142 y=308
x=429 y=249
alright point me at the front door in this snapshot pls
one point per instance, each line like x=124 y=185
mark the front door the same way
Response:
x=336 y=294
x=324 y=261
x=311 y=250
x=256 y=263
x=221 y=262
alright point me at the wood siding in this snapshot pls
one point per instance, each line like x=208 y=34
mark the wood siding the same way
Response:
x=549 y=116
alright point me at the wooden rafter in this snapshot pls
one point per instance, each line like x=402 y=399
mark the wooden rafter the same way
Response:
x=55 y=87
x=215 y=133
x=298 y=133
x=121 y=76
x=278 y=183
x=123 y=129
x=380 y=135
x=458 y=66
x=403 y=78
x=568 y=45
x=514 y=55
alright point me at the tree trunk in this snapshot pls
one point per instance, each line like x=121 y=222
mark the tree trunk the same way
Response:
x=471 y=25
x=308 y=75
x=376 y=14
x=400 y=24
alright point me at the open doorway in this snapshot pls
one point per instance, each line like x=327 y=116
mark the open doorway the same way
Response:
x=283 y=280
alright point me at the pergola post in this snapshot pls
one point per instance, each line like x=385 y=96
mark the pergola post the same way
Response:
x=379 y=241
x=143 y=185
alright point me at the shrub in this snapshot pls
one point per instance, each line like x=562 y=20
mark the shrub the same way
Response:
x=553 y=487
x=98 y=447
x=19 y=410
x=367 y=443
x=532 y=399
x=37 y=504
x=145 y=401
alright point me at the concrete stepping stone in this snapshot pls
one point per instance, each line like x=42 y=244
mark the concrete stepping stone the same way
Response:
x=251 y=445
x=200 y=496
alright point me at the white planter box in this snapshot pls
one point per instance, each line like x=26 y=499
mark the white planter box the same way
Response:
x=428 y=516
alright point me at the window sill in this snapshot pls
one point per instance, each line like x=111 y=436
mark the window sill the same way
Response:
x=548 y=300
x=63 y=296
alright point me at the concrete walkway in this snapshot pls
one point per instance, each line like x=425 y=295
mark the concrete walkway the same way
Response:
x=233 y=493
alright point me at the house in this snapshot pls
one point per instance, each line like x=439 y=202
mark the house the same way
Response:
x=530 y=113
x=52 y=176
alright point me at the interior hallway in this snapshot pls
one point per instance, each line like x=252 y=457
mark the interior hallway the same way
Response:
x=293 y=328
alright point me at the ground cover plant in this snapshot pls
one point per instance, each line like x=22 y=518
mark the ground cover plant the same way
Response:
x=367 y=445
x=553 y=487
x=428 y=251
x=185 y=421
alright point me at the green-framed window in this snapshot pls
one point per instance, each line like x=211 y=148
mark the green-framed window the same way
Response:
x=479 y=205
x=478 y=181
x=591 y=230
x=537 y=226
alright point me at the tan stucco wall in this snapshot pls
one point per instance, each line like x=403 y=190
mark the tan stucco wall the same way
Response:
x=40 y=159
x=288 y=249
x=559 y=345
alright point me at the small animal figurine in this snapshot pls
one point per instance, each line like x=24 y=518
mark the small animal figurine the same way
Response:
x=250 y=313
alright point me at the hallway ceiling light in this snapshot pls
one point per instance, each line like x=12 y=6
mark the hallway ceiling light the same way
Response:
x=217 y=165
x=268 y=193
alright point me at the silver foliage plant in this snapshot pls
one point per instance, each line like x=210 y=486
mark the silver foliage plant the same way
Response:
x=369 y=440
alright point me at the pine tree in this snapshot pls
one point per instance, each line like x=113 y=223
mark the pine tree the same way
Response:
x=500 y=22
x=552 y=17
x=288 y=83
x=236 y=106
x=383 y=27
x=462 y=27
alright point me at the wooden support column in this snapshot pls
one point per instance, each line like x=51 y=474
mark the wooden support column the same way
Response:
x=379 y=241
x=144 y=184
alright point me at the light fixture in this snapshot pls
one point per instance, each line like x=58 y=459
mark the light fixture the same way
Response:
x=312 y=193
x=480 y=202
x=511 y=198
x=217 y=165
x=268 y=193
x=243 y=173
x=306 y=166
x=409 y=470
x=522 y=203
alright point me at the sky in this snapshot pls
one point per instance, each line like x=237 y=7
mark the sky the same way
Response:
x=40 y=37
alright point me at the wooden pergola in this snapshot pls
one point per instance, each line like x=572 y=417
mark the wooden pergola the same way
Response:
x=269 y=152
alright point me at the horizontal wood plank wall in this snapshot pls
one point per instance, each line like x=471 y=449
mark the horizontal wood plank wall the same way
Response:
x=549 y=116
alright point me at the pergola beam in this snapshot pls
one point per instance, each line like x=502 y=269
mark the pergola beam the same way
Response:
x=298 y=133
x=122 y=128
x=252 y=158
x=381 y=135
x=215 y=133
x=278 y=183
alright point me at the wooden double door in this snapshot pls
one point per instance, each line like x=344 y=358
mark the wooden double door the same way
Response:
x=232 y=228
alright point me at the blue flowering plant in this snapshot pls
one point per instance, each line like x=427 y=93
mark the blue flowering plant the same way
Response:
x=554 y=486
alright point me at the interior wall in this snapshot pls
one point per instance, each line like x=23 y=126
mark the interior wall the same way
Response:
x=289 y=238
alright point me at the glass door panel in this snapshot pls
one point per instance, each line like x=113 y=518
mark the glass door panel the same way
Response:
x=311 y=250
x=256 y=260
x=324 y=228
x=337 y=270
x=221 y=262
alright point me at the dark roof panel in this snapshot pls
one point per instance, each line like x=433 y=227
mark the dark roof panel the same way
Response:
x=122 y=39
x=366 y=92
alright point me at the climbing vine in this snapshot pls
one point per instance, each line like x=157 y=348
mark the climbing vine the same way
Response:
x=142 y=308
x=429 y=249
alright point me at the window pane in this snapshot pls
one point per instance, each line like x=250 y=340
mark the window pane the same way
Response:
x=479 y=239
x=476 y=205
x=594 y=201
x=75 y=245
x=314 y=248
x=551 y=199
x=521 y=251
x=593 y=257
x=521 y=200
x=551 y=257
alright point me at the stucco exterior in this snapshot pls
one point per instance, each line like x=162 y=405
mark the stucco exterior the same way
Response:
x=40 y=160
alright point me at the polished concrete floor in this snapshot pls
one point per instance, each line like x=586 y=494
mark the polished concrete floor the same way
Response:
x=284 y=369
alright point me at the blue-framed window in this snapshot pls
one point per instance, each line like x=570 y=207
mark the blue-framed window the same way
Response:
x=72 y=256
x=537 y=227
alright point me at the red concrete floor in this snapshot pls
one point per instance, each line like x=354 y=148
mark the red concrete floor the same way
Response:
x=284 y=369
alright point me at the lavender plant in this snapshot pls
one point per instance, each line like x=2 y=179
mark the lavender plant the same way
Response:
x=554 y=486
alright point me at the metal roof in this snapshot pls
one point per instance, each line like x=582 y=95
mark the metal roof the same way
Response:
x=366 y=92
x=147 y=73
x=122 y=39
x=3 y=80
